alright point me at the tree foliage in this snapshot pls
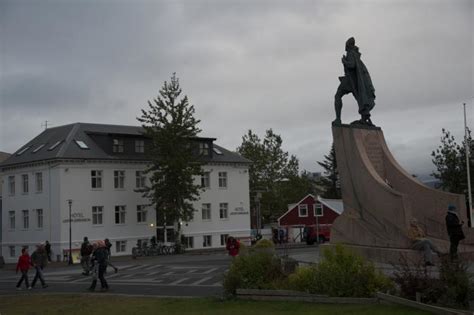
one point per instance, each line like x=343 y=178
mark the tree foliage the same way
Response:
x=330 y=182
x=170 y=124
x=450 y=161
x=273 y=173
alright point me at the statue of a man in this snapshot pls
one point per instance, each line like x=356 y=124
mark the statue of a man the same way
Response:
x=356 y=80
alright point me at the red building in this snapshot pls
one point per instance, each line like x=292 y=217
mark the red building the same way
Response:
x=316 y=214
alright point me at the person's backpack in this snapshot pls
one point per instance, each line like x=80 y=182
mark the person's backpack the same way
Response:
x=87 y=249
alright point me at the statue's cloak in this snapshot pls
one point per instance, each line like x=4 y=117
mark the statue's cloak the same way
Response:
x=360 y=81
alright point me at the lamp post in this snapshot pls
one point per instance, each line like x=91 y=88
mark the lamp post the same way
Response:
x=468 y=148
x=69 y=201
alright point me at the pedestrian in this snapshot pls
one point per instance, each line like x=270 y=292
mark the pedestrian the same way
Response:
x=108 y=246
x=39 y=260
x=47 y=247
x=99 y=261
x=24 y=263
x=86 y=251
x=421 y=242
x=454 y=227
x=233 y=246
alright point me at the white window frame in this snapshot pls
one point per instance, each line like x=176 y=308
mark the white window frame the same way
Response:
x=96 y=177
x=140 y=179
x=188 y=242
x=39 y=182
x=120 y=213
x=206 y=180
x=97 y=213
x=207 y=241
x=301 y=207
x=117 y=145
x=25 y=216
x=206 y=208
x=25 y=184
x=11 y=220
x=224 y=209
x=11 y=185
x=224 y=238
x=141 y=213
x=139 y=146
x=121 y=246
x=223 y=180
x=39 y=218
x=12 y=250
x=119 y=179
x=318 y=206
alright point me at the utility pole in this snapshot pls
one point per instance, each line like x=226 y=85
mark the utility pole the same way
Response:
x=467 y=149
x=45 y=125
x=69 y=201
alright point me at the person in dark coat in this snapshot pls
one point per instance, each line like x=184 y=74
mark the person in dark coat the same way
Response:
x=454 y=227
x=47 y=247
x=39 y=260
x=99 y=265
x=86 y=251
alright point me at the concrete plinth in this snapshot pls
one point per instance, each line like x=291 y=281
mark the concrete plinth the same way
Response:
x=380 y=198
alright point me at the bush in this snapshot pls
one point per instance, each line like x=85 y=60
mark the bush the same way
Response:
x=260 y=270
x=340 y=273
x=263 y=243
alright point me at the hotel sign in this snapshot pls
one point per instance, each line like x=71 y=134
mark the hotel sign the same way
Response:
x=239 y=211
x=77 y=217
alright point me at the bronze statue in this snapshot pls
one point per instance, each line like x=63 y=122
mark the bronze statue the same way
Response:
x=356 y=80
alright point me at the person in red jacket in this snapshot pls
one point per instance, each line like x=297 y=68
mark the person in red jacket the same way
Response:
x=24 y=263
x=233 y=246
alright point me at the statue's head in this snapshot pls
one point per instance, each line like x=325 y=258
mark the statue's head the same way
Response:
x=350 y=43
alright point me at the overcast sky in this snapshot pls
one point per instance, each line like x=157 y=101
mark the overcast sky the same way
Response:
x=243 y=64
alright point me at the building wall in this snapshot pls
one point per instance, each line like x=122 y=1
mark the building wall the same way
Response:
x=293 y=218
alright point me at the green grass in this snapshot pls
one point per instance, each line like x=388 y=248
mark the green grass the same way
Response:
x=112 y=305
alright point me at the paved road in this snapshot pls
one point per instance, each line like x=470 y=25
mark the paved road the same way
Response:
x=176 y=275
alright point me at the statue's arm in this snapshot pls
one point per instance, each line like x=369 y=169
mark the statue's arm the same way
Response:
x=349 y=61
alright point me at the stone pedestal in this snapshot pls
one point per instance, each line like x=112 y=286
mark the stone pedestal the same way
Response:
x=380 y=198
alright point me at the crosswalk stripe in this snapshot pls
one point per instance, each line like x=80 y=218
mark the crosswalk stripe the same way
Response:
x=137 y=267
x=209 y=271
x=178 y=281
x=152 y=267
x=201 y=281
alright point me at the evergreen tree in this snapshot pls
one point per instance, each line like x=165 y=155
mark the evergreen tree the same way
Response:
x=330 y=181
x=170 y=124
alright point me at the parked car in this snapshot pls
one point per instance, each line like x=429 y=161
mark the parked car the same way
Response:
x=321 y=235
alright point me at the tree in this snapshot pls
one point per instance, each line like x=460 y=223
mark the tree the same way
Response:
x=450 y=161
x=273 y=173
x=170 y=124
x=330 y=181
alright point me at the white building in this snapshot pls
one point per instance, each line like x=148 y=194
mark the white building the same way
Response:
x=99 y=167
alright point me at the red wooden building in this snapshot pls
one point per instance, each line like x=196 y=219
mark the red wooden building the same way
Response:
x=313 y=213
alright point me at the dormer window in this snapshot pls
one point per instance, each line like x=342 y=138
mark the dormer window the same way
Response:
x=81 y=144
x=117 y=146
x=140 y=146
x=23 y=150
x=204 y=148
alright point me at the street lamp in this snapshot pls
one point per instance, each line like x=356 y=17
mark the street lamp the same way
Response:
x=467 y=149
x=69 y=201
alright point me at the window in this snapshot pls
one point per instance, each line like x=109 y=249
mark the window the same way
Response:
x=140 y=179
x=224 y=239
x=39 y=182
x=97 y=212
x=204 y=148
x=26 y=219
x=139 y=146
x=11 y=185
x=207 y=241
x=38 y=148
x=206 y=211
x=217 y=151
x=318 y=210
x=119 y=179
x=188 y=242
x=303 y=210
x=224 y=210
x=141 y=214
x=11 y=217
x=96 y=179
x=222 y=179
x=206 y=180
x=120 y=246
x=22 y=151
x=39 y=218
x=24 y=179
x=82 y=144
x=119 y=214
x=12 y=251
x=117 y=146
x=54 y=145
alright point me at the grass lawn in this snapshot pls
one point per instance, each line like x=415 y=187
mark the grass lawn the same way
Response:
x=111 y=305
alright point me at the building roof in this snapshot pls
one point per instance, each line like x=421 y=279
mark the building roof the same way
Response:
x=334 y=204
x=60 y=143
x=4 y=156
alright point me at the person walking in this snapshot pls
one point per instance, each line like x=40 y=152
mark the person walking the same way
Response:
x=24 y=263
x=86 y=251
x=233 y=246
x=421 y=242
x=99 y=261
x=108 y=246
x=454 y=227
x=39 y=260
x=47 y=247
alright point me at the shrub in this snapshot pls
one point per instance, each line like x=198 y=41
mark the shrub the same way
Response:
x=340 y=273
x=457 y=283
x=263 y=243
x=260 y=270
